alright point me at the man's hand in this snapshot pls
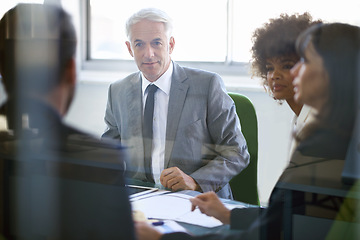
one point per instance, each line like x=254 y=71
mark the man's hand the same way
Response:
x=145 y=231
x=175 y=179
x=210 y=204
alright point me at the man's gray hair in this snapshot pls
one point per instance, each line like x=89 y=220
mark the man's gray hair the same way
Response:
x=151 y=14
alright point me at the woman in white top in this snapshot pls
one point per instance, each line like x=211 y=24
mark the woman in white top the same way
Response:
x=273 y=55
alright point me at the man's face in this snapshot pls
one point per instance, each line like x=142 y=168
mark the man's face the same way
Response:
x=150 y=48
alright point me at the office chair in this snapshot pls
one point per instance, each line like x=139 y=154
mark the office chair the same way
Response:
x=244 y=185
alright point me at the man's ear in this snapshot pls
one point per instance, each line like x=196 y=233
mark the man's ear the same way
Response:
x=129 y=48
x=70 y=72
x=171 y=44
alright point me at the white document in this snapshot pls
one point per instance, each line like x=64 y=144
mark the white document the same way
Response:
x=173 y=206
x=146 y=194
x=200 y=219
x=164 y=206
x=136 y=195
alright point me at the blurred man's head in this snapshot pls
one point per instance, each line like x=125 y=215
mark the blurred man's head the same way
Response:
x=37 y=49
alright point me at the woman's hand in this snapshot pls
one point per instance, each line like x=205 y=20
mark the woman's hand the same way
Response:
x=210 y=204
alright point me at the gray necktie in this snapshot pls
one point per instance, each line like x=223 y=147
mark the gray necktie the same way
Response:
x=148 y=130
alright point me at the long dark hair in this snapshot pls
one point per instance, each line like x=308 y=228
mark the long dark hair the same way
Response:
x=338 y=45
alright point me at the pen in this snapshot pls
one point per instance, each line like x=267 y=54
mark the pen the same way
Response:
x=158 y=223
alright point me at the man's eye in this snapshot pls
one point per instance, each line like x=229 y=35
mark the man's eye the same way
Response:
x=138 y=44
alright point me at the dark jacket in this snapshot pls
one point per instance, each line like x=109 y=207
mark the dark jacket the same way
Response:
x=62 y=183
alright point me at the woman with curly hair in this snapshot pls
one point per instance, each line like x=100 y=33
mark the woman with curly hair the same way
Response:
x=274 y=54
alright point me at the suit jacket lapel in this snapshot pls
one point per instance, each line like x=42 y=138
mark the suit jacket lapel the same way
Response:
x=178 y=91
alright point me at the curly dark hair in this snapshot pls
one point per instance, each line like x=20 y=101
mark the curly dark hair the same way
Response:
x=277 y=38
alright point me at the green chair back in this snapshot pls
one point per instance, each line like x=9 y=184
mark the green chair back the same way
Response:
x=244 y=185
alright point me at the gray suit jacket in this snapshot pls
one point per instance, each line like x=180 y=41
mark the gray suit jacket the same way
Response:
x=203 y=135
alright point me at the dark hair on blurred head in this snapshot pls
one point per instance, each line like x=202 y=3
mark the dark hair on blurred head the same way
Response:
x=277 y=38
x=36 y=43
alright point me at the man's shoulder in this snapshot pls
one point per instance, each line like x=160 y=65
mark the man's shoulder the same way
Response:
x=196 y=76
x=193 y=71
x=133 y=77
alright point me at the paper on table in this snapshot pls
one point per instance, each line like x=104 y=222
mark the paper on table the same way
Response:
x=147 y=195
x=135 y=195
x=173 y=206
x=162 y=206
x=200 y=219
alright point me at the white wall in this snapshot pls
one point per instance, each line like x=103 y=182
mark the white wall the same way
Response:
x=88 y=109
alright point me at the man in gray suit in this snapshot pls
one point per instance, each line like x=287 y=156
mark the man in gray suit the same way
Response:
x=195 y=137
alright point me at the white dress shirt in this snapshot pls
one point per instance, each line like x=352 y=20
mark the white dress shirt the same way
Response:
x=298 y=123
x=161 y=103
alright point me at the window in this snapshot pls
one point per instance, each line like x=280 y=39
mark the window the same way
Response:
x=204 y=30
x=215 y=33
x=108 y=28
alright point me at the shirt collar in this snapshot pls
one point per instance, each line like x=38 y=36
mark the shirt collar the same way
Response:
x=163 y=82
